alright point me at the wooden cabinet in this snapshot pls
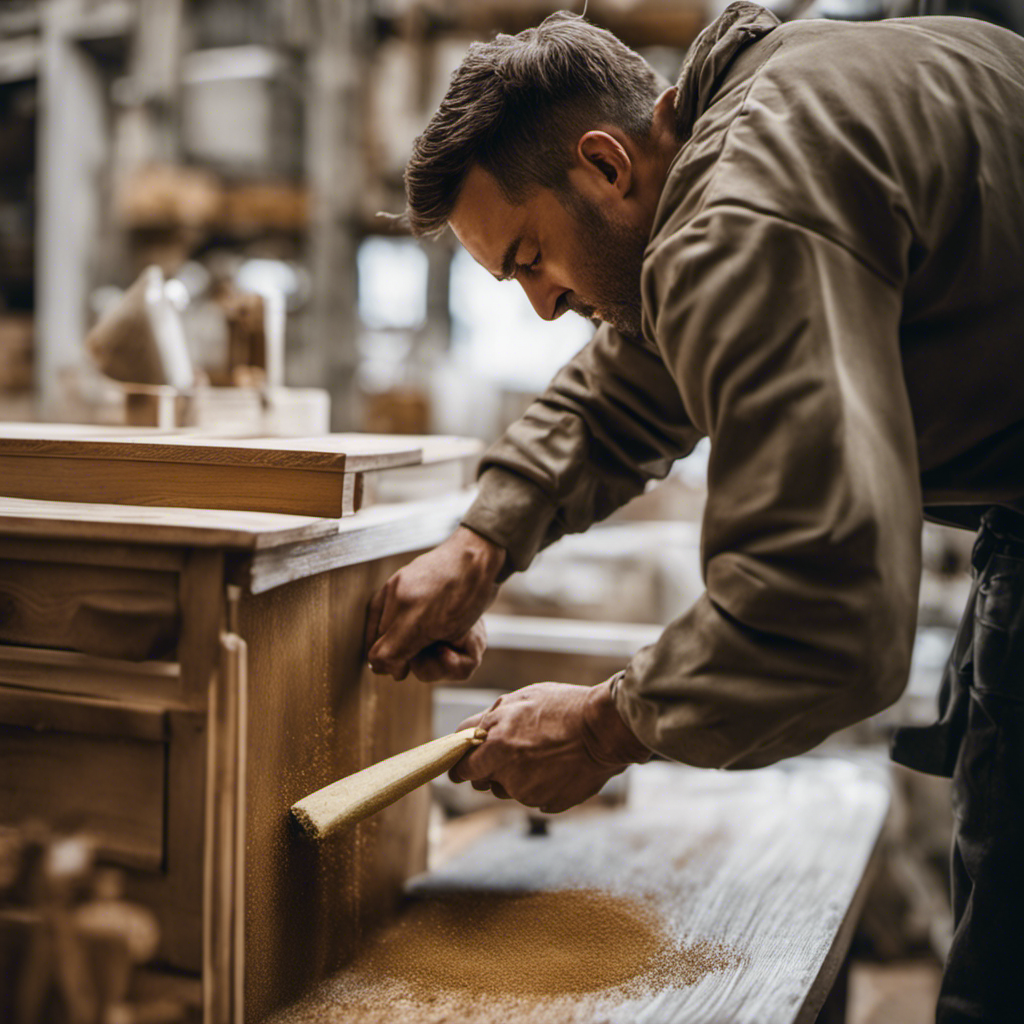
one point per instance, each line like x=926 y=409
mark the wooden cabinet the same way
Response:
x=171 y=681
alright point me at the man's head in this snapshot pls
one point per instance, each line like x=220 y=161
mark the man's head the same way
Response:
x=546 y=158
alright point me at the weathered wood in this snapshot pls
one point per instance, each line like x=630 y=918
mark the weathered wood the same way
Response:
x=197 y=527
x=247 y=488
x=101 y=610
x=770 y=865
x=377 y=532
x=348 y=801
x=316 y=713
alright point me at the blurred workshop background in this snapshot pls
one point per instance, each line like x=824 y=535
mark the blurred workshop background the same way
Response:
x=215 y=168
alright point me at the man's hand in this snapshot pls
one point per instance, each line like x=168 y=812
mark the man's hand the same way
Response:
x=549 y=745
x=426 y=617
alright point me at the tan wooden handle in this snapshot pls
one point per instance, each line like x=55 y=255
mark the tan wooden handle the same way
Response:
x=357 y=796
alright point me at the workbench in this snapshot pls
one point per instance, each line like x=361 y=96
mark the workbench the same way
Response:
x=172 y=680
x=760 y=875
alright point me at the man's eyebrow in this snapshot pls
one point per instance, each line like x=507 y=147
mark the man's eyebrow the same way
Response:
x=508 y=261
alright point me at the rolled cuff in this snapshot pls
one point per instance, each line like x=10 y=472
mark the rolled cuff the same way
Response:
x=512 y=512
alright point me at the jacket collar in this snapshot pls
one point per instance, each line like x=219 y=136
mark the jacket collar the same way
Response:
x=741 y=24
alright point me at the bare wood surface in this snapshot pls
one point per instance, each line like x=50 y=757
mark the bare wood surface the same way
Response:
x=131 y=524
x=376 y=532
x=342 y=804
x=32 y=709
x=34 y=549
x=95 y=765
x=768 y=865
x=338 y=453
x=224 y=848
x=71 y=672
x=107 y=611
x=316 y=713
x=250 y=488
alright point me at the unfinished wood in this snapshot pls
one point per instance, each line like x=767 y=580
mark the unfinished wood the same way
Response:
x=197 y=527
x=335 y=453
x=203 y=604
x=224 y=851
x=175 y=895
x=101 y=610
x=344 y=803
x=32 y=549
x=770 y=865
x=92 y=765
x=316 y=713
x=377 y=532
x=70 y=672
x=280 y=490
x=31 y=709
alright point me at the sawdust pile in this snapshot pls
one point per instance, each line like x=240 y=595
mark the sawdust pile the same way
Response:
x=483 y=957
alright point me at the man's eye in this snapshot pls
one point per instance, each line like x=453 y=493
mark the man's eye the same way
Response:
x=532 y=265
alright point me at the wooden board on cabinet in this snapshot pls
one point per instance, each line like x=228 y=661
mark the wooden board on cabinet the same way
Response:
x=313 y=476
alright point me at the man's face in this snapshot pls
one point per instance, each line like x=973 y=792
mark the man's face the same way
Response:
x=565 y=251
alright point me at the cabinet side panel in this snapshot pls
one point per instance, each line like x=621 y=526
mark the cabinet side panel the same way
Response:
x=316 y=714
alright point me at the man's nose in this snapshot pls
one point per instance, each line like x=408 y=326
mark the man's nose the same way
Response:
x=543 y=294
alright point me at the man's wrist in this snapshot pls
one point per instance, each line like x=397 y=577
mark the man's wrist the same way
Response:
x=490 y=556
x=609 y=741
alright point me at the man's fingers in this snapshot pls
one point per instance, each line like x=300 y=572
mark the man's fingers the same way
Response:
x=374 y=611
x=474 y=766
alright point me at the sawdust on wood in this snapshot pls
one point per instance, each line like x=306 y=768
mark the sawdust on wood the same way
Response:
x=484 y=957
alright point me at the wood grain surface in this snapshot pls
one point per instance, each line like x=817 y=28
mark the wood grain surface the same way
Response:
x=376 y=532
x=770 y=865
x=316 y=713
x=283 y=490
x=137 y=524
x=338 y=453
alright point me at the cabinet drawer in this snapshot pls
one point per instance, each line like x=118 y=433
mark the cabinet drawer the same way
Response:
x=89 y=765
x=99 y=610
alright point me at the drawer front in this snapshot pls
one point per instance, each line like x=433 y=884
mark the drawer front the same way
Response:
x=99 y=610
x=97 y=767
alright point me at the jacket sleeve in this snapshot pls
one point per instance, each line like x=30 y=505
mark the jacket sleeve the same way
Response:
x=611 y=420
x=784 y=345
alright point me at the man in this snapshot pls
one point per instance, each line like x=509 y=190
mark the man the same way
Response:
x=811 y=251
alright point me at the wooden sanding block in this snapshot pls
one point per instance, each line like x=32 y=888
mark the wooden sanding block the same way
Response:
x=355 y=797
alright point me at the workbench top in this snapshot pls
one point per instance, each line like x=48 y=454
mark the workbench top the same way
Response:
x=764 y=871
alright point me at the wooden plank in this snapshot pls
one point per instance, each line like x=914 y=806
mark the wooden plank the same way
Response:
x=101 y=610
x=31 y=709
x=336 y=453
x=767 y=866
x=249 y=488
x=224 y=848
x=203 y=610
x=376 y=532
x=26 y=517
x=176 y=894
x=31 y=549
x=316 y=713
x=70 y=672
x=110 y=789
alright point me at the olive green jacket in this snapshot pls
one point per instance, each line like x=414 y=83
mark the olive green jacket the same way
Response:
x=833 y=293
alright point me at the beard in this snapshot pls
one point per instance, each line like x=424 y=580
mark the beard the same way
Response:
x=609 y=256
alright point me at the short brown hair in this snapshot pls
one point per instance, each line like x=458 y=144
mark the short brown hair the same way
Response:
x=516 y=107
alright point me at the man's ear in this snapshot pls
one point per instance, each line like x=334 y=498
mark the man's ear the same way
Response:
x=604 y=158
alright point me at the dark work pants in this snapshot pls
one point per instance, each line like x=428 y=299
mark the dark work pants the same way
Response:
x=979 y=743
